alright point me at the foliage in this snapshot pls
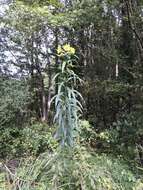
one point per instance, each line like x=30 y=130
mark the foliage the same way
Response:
x=37 y=139
x=14 y=101
x=74 y=169
x=107 y=100
x=127 y=135
x=28 y=141
x=10 y=142
x=124 y=137
x=2 y=181
x=14 y=113
x=87 y=135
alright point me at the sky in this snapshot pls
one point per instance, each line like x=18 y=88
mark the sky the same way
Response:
x=3 y=8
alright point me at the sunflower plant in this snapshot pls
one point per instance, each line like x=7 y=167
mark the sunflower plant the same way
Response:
x=67 y=100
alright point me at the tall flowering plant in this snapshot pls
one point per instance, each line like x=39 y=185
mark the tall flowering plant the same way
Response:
x=67 y=99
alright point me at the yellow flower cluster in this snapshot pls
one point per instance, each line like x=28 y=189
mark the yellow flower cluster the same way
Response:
x=65 y=49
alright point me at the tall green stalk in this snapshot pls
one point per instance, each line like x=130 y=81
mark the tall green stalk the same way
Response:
x=67 y=104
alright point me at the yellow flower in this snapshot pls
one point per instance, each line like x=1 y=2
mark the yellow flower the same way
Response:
x=72 y=50
x=69 y=49
x=65 y=49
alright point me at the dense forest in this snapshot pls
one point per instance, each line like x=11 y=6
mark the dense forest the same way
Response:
x=71 y=95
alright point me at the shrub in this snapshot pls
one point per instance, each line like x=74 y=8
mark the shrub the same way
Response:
x=73 y=169
x=38 y=138
x=124 y=137
x=106 y=100
x=14 y=113
x=126 y=134
x=14 y=102
x=31 y=140
x=87 y=134
x=10 y=142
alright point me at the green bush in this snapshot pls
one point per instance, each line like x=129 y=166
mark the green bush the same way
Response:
x=14 y=113
x=14 y=102
x=38 y=138
x=31 y=140
x=87 y=134
x=73 y=169
x=124 y=137
x=106 y=100
x=10 y=142
x=126 y=134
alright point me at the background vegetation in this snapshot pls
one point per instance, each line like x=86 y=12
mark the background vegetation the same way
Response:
x=108 y=136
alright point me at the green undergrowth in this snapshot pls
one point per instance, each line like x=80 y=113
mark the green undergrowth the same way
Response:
x=75 y=169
